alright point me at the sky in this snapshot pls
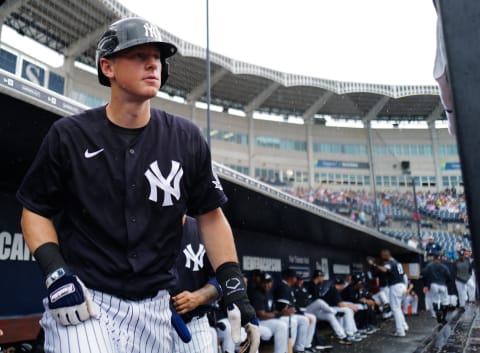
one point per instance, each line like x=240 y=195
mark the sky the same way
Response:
x=373 y=41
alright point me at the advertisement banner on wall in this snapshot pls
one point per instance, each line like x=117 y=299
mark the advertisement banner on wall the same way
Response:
x=450 y=166
x=323 y=163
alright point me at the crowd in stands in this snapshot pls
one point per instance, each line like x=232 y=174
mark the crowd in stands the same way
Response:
x=446 y=206
x=396 y=212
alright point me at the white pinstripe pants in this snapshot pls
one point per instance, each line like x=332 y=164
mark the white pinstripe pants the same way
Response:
x=201 y=338
x=123 y=326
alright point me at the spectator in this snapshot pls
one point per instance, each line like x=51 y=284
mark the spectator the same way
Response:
x=413 y=242
x=432 y=248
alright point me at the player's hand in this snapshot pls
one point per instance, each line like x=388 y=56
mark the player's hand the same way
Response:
x=240 y=312
x=371 y=261
x=425 y=290
x=69 y=301
x=185 y=302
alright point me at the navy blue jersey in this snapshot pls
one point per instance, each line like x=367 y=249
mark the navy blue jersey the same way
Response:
x=331 y=295
x=433 y=249
x=260 y=301
x=284 y=296
x=436 y=272
x=302 y=298
x=192 y=268
x=120 y=203
x=383 y=279
x=395 y=273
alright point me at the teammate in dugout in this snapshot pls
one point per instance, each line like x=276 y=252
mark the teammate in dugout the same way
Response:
x=103 y=205
x=195 y=291
x=397 y=288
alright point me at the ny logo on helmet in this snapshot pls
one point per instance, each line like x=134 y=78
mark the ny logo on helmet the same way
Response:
x=157 y=180
x=151 y=30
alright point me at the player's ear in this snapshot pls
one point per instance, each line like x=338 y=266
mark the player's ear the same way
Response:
x=106 y=65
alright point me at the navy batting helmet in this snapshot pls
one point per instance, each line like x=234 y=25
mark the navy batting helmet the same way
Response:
x=127 y=33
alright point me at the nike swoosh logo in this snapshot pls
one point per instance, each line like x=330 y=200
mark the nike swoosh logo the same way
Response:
x=92 y=154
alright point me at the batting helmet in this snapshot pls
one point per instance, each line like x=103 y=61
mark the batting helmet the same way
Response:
x=127 y=33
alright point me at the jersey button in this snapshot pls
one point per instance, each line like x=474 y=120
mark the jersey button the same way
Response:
x=133 y=219
x=133 y=255
x=131 y=151
x=134 y=186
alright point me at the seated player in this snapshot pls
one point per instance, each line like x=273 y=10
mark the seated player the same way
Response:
x=285 y=300
x=327 y=306
x=270 y=322
x=357 y=295
x=302 y=300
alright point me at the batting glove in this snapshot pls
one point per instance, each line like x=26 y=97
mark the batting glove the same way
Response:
x=69 y=301
x=239 y=311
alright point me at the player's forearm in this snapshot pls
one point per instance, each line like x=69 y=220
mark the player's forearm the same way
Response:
x=37 y=230
x=217 y=236
x=207 y=294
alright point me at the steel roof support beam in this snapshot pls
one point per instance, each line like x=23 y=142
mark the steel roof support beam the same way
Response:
x=432 y=117
x=377 y=108
x=308 y=120
x=7 y=8
x=81 y=45
x=256 y=102
x=11 y=6
x=367 y=120
x=317 y=105
x=200 y=90
x=436 y=113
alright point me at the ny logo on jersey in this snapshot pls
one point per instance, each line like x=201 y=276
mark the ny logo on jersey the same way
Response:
x=151 y=30
x=192 y=258
x=157 y=180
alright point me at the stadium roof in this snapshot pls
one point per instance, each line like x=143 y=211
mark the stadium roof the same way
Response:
x=72 y=28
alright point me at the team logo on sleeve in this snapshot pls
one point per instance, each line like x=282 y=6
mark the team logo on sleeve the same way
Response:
x=170 y=184
x=194 y=258
x=216 y=181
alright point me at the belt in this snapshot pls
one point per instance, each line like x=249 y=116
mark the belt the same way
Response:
x=188 y=318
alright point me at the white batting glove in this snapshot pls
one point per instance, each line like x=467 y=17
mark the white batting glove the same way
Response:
x=69 y=301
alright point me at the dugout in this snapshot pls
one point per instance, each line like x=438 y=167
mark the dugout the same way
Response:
x=273 y=230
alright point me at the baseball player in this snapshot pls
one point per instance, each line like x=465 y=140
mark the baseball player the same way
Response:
x=397 y=288
x=195 y=291
x=437 y=275
x=270 y=322
x=328 y=306
x=284 y=297
x=472 y=282
x=103 y=203
x=302 y=300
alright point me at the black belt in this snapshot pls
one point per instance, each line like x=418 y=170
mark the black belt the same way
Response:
x=188 y=318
